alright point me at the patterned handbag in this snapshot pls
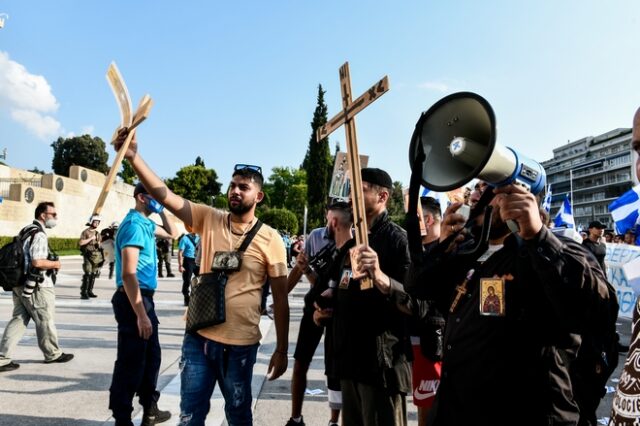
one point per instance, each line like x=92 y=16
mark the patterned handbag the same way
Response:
x=207 y=304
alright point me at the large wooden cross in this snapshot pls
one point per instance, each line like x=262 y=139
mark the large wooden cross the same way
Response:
x=347 y=117
x=127 y=120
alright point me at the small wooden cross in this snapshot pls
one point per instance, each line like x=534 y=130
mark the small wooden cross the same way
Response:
x=461 y=290
x=347 y=117
x=142 y=112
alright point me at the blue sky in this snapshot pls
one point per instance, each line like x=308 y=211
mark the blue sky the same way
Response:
x=236 y=82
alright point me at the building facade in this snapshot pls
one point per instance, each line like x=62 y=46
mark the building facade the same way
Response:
x=594 y=171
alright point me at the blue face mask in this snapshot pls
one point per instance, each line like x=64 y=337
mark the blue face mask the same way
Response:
x=153 y=205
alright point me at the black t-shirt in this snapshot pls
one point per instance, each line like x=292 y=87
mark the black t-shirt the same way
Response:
x=599 y=250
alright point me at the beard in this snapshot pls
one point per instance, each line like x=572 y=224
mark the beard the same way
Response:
x=240 y=208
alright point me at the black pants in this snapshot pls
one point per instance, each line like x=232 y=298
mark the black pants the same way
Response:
x=189 y=270
x=138 y=361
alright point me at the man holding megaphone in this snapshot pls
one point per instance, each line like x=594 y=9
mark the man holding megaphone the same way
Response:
x=542 y=289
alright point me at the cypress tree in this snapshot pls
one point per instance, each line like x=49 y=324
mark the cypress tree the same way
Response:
x=318 y=164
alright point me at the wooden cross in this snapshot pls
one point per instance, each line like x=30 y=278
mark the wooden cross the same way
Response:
x=124 y=102
x=347 y=117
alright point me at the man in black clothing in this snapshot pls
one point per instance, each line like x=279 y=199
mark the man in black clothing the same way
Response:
x=371 y=347
x=549 y=293
x=594 y=242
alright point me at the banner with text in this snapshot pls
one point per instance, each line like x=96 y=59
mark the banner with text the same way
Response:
x=623 y=271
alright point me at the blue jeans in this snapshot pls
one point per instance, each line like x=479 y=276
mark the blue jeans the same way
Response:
x=205 y=362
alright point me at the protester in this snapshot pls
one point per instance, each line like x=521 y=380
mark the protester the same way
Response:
x=187 y=262
x=38 y=302
x=138 y=358
x=627 y=397
x=371 y=348
x=630 y=237
x=92 y=257
x=547 y=289
x=309 y=335
x=594 y=242
x=225 y=353
x=427 y=332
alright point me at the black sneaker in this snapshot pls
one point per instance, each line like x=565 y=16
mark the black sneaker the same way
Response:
x=154 y=416
x=170 y=275
x=9 y=367
x=62 y=358
x=292 y=422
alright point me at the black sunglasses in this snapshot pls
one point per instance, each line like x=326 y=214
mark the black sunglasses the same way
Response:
x=257 y=169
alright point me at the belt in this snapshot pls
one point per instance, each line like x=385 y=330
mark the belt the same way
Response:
x=143 y=291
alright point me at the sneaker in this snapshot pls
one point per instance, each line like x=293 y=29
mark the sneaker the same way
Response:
x=155 y=416
x=9 y=367
x=170 y=275
x=62 y=358
x=292 y=422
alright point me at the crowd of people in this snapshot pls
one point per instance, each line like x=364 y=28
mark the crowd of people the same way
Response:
x=480 y=321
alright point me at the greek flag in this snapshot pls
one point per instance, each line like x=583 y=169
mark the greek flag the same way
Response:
x=440 y=196
x=546 y=203
x=564 y=217
x=624 y=210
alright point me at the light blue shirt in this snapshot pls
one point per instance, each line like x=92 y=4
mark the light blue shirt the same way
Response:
x=316 y=241
x=136 y=230
x=187 y=246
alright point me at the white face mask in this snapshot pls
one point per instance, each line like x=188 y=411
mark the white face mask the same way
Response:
x=50 y=223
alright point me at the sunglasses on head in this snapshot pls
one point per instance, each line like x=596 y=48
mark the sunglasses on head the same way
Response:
x=257 y=169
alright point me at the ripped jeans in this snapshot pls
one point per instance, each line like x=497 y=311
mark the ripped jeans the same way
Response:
x=205 y=362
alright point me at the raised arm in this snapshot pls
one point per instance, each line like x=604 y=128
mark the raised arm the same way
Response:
x=177 y=205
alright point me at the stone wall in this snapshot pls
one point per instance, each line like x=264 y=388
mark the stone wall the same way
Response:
x=74 y=196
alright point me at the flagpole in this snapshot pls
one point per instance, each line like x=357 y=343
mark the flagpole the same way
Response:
x=571 y=184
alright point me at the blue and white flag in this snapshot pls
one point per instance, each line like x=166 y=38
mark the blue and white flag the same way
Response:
x=546 y=203
x=440 y=196
x=564 y=217
x=624 y=210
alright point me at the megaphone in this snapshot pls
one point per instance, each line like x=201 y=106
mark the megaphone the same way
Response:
x=458 y=138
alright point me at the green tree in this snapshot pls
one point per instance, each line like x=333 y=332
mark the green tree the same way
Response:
x=82 y=151
x=196 y=183
x=395 y=205
x=36 y=170
x=221 y=202
x=318 y=164
x=127 y=174
x=199 y=161
x=279 y=185
x=280 y=219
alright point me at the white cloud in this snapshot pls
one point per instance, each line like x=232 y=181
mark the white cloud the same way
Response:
x=28 y=98
x=43 y=126
x=87 y=130
x=435 y=86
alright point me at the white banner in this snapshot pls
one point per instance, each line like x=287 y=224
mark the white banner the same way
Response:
x=623 y=271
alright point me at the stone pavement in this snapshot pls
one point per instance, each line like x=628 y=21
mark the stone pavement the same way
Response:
x=77 y=393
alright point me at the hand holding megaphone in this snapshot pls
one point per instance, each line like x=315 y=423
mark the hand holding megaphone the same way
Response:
x=518 y=204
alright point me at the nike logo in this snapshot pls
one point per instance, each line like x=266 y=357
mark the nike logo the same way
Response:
x=420 y=396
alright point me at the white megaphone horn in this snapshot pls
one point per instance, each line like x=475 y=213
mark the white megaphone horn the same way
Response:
x=458 y=138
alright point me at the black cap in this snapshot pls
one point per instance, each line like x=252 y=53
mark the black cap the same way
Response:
x=140 y=189
x=377 y=177
x=597 y=224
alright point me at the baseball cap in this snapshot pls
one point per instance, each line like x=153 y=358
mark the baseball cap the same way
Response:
x=597 y=224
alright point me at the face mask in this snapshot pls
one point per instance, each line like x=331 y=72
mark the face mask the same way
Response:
x=50 y=223
x=154 y=206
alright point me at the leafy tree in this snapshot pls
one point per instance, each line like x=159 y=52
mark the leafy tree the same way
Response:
x=280 y=219
x=395 y=205
x=199 y=161
x=127 y=174
x=279 y=185
x=82 y=151
x=196 y=183
x=221 y=202
x=318 y=164
x=36 y=170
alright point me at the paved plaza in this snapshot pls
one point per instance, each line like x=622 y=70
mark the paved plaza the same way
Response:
x=76 y=393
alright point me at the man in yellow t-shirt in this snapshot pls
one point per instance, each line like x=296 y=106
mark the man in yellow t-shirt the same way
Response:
x=226 y=353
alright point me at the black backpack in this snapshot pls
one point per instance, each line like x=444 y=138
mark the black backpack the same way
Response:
x=12 y=259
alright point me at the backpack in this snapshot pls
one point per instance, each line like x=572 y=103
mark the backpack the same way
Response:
x=12 y=259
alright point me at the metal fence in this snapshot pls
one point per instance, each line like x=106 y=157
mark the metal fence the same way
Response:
x=5 y=184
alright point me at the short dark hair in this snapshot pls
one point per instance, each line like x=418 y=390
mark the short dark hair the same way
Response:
x=248 y=173
x=42 y=207
x=432 y=206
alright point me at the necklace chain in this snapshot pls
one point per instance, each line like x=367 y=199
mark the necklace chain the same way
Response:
x=231 y=233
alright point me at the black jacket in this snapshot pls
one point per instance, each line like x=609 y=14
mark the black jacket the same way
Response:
x=370 y=340
x=513 y=369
